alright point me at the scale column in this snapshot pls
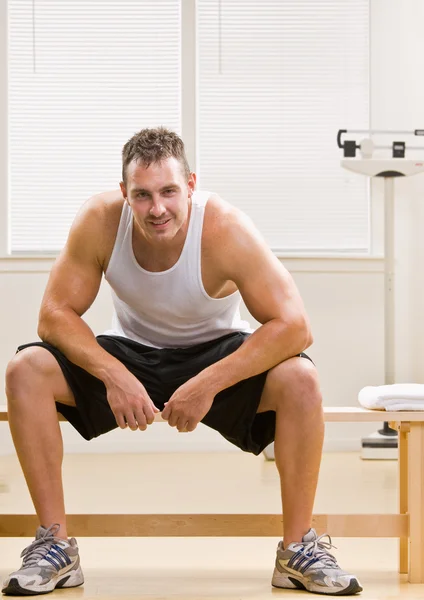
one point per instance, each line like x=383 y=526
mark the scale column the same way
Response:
x=389 y=281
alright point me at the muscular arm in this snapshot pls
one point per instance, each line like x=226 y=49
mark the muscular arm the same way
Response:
x=72 y=287
x=271 y=297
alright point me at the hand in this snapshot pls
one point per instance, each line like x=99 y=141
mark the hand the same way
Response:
x=130 y=402
x=188 y=405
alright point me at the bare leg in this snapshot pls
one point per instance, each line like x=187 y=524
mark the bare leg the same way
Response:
x=292 y=390
x=33 y=381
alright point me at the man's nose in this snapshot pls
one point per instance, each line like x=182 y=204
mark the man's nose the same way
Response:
x=157 y=209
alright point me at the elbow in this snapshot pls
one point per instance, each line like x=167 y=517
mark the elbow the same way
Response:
x=45 y=324
x=51 y=322
x=303 y=334
x=42 y=328
x=308 y=339
x=297 y=333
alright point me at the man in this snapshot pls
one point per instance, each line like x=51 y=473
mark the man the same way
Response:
x=178 y=261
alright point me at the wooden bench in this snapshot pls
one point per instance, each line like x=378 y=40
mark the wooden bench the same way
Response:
x=407 y=525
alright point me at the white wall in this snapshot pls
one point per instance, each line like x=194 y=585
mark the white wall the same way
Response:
x=344 y=296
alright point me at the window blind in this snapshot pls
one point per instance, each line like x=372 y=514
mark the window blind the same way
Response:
x=84 y=76
x=277 y=80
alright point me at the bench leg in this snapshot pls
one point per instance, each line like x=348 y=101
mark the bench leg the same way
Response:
x=403 y=430
x=416 y=502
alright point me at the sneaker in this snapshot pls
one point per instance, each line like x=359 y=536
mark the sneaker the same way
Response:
x=307 y=565
x=48 y=563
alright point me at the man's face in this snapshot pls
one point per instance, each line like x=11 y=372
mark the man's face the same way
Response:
x=159 y=197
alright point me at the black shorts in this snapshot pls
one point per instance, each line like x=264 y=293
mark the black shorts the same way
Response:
x=162 y=371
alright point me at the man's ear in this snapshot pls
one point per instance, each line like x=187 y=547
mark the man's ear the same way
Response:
x=191 y=183
x=123 y=190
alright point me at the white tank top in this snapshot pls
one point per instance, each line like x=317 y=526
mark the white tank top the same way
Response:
x=168 y=309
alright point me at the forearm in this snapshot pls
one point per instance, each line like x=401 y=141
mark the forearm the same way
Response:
x=269 y=345
x=68 y=332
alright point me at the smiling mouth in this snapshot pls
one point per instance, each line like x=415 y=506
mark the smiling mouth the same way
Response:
x=159 y=223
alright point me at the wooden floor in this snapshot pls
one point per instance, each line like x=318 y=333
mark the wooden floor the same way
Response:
x=207 y=568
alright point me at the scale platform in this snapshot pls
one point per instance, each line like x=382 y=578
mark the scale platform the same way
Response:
x=376 y=167
x=379 y=447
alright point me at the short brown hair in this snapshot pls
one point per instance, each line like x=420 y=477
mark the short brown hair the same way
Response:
x=152 y=146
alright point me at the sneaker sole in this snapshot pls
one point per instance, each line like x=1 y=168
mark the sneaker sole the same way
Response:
x=352 y=588
x=68 y=580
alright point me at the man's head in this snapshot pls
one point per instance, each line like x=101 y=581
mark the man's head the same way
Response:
x=156 y=182
x=153 y=146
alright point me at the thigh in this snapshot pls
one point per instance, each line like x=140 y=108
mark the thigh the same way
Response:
x=91 y=415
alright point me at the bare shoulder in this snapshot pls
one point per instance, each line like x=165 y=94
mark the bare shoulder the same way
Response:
x=95 y=225
x=223 y=217
x=239 y=253
x=106 y=204
x=230 y=235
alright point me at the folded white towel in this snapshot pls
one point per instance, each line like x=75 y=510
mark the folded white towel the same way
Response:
x=398 y=396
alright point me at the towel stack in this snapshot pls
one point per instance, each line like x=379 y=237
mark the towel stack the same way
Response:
x=398 y=396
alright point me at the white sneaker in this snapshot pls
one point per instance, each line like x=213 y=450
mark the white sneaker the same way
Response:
x=308 y=565
x=48 y=563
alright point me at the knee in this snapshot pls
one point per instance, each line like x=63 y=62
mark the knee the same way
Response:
x=295 y=382
x=25 y=366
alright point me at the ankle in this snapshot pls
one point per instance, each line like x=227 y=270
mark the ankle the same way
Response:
x=296 y=538
x=60 y=534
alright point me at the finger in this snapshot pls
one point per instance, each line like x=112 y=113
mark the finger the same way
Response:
x=130 y=419
x=191 y=425
x=149 y=414
x=166 y=411
x=181 y=424
x=173 y=419
x=119 y=417
x=141 y=418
